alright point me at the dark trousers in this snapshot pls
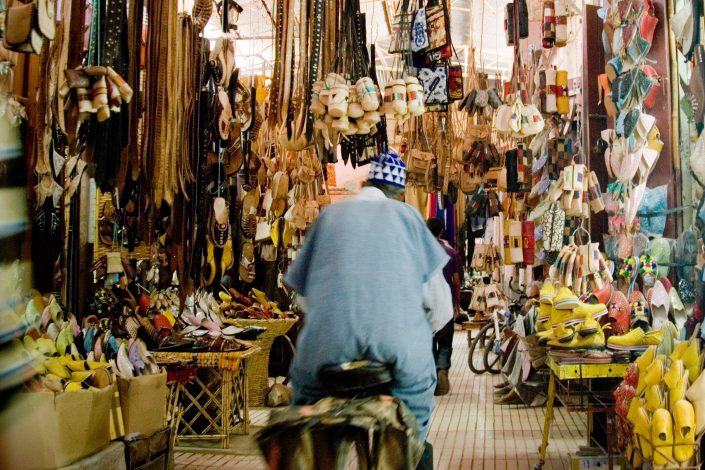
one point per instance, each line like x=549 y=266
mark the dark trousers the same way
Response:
x=443 y=346
x=426 y=462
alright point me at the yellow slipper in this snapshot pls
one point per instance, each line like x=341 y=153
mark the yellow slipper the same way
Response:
x=662 y=436
x=655 y=398
x=684 y=431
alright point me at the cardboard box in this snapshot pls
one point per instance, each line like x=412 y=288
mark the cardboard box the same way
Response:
x=143 y=450
x=46 y=430
x=143 y=402
x=594 y=462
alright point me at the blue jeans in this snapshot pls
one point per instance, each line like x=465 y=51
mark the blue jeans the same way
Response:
x=443 y=346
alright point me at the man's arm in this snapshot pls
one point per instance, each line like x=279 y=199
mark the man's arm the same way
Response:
x=437 y=301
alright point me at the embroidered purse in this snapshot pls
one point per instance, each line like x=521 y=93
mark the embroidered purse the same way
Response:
x=435 y=84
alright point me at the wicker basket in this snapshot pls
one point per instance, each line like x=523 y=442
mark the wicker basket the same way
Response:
x=258 y=363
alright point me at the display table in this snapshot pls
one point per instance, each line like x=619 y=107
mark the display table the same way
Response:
x=471 y=326
x=580 y=387
x=207 y=394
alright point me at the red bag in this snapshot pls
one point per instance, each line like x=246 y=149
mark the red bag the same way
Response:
x=528 y=241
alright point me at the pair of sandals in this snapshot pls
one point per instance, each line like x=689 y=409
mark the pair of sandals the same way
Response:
x=637 y=154
x=627 y=88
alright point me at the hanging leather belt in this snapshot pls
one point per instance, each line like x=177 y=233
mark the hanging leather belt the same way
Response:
x=314 y=63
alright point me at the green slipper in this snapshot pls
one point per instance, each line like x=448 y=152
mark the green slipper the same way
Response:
x=661 y=254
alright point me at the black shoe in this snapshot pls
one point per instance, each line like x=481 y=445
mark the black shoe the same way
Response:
x=443 y=385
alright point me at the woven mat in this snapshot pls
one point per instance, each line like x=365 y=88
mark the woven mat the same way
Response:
x=219 y=360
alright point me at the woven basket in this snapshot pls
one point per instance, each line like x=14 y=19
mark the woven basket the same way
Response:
x=258 y=363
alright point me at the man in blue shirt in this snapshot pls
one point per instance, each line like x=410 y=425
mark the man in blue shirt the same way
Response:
x=370 y=278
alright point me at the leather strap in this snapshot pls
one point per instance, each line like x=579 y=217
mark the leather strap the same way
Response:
x=314 y=63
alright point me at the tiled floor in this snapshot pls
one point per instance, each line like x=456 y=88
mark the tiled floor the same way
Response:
x=468 y=431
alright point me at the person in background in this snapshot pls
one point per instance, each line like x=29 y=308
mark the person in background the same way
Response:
x=443 y=339
x=370 y=279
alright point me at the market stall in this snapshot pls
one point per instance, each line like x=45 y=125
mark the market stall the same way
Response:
x=163 y=163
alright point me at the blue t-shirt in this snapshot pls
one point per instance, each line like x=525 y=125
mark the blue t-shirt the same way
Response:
x=361 y=270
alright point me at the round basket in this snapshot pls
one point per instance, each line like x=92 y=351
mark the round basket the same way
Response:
x=258 y=363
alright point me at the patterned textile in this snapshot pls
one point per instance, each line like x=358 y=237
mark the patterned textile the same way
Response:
x=560 y=152
x=220 y=360
x=295 y=435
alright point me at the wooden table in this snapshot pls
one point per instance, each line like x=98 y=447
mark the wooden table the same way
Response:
x=207 y=394
x=471 y=326
x=583 y=376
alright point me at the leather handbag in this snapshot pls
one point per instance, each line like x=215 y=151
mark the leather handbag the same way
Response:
x=496 y=177
x=21 y=23
x=418 y=161
x=470 y=179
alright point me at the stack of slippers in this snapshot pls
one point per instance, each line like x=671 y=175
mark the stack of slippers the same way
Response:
x=577 y=191
x=482 y=100
x=346 y=109
x=97 y=90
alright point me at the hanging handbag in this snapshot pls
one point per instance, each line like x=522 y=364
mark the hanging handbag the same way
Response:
x=435 y=84
x=445 y=52
x=528 y=236
x=438 y=26
x=560 y=150
x=455 y=83
x=21 y=28
x=496 y=178
x=510 y=163
x=419 y=31
x=418 y=161
x=470 y=179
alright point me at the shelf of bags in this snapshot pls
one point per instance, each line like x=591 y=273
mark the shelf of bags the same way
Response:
x=587 y=371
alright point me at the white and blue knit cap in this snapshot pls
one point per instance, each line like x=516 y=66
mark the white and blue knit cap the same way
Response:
x=388 y=168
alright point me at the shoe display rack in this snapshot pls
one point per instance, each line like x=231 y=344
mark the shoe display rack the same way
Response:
x=582 y=388
x=207 y=395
